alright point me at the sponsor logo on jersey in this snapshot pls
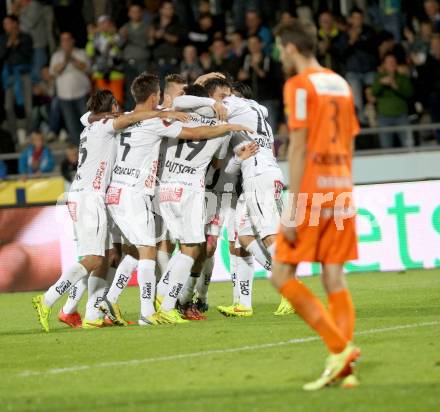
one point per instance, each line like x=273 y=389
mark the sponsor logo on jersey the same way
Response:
x=330 y=159
x=150 y=182
x=126 y=171
x=113 y=195
x=63 y=286
x=278 y=189
x=178 y=168
x=99 y=175
x=170 y=195
x=262 y=142
x=71 y=206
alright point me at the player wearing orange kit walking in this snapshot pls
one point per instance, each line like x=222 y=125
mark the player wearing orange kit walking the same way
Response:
x=319 y=223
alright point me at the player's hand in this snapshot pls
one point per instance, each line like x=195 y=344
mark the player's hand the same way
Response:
x=239 y=128
x=248 y=150
x=289 y=233
x=205 y=77
x=221 y=113
x=180 y=116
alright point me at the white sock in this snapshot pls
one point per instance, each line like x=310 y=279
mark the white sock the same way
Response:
x=178 y=276
x=164 y=281
x=162 y=261
x=235 y=284
x=204 y=281
x=76 y=292
x=259 y=254
x=245 y=277
x=111 y=272
x=64 y=283
x=147 y=286
x=122 y=277
x=96 y=289
x=188 y=290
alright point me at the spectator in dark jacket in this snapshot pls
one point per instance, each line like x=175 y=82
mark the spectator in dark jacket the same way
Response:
x=429 y=81
x=393 y=92
x=329 y=39
x=359 y=56
x=36 y=158
x=70 y=163
x=16 y=55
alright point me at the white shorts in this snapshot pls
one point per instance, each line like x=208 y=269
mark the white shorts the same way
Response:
x=134 y=215
x=89 y=215
x=222 y=215
x=260 y=211
x=162 y=231
x=183 y=211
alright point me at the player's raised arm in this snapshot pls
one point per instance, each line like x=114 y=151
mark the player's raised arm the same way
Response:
x=210 y=132
x=128 y=119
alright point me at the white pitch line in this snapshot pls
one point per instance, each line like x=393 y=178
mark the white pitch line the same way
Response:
x=79 y=368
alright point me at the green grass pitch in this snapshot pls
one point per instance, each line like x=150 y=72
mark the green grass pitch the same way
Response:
x=228 y=364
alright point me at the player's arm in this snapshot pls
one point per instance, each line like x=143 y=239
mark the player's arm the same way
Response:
x=128 y=119
x=242 y=153
x=210 y=132
x=188 y=102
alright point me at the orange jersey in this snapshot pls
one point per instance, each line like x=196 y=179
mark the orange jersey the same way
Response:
x=321 y=101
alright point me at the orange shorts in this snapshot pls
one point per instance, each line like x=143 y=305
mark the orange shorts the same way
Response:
x=320 y=243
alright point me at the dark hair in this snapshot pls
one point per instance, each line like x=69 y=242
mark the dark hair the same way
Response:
x=356 y=10
x=204 y=15
x=242 y=89
x=101 y=101
x=211 y=84
x=144 y=86
x=389 y=54
x=174 y=78
x=302 y=36
x=12 y=17
x=256 y=36
x=196 y=90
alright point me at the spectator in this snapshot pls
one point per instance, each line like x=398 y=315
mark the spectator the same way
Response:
x=3 y=170
x=360 y=57
x=70 y=163
x=255 y=27
x=33 y=21
x=263 y=75
x=218 y=60
x=203 y=34
x=432 y=10
x=237 y=46
x=392 y=91
x=391 y=17
x=16 y=56
x=329 y=38
x=69 y=65
x=387 y=45
x=106 y=57
x=135 y=52
x=166 y=34
x=36 y=158
x=190 y=67
x=417 y=45
x=429 y=79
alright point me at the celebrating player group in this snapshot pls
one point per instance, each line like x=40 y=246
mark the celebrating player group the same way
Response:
x=155 y=186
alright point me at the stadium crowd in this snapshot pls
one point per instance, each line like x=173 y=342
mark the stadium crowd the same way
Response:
x=52 y=53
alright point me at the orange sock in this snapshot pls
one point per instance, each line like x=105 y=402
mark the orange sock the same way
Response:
x=342 y=311
x=308 y=306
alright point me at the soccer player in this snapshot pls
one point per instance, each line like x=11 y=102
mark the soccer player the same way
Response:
x=130 y=194
x=319 y=224
x=87 y=209
x=262 y=177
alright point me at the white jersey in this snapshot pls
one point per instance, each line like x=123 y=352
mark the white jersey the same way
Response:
x=247 y=113
x=186 y=161
x=251 y=114
x=97 y=152
x=218 y=181
x=137 y=159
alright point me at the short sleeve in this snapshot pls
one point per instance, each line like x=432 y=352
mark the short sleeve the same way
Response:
x=85 y=119
x=167 y=129
x=107 y=126
x=297 y=94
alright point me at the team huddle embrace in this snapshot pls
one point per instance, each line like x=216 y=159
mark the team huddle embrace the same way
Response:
x=153 y=189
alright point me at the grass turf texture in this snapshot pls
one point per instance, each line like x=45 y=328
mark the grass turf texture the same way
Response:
x=400 y=370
